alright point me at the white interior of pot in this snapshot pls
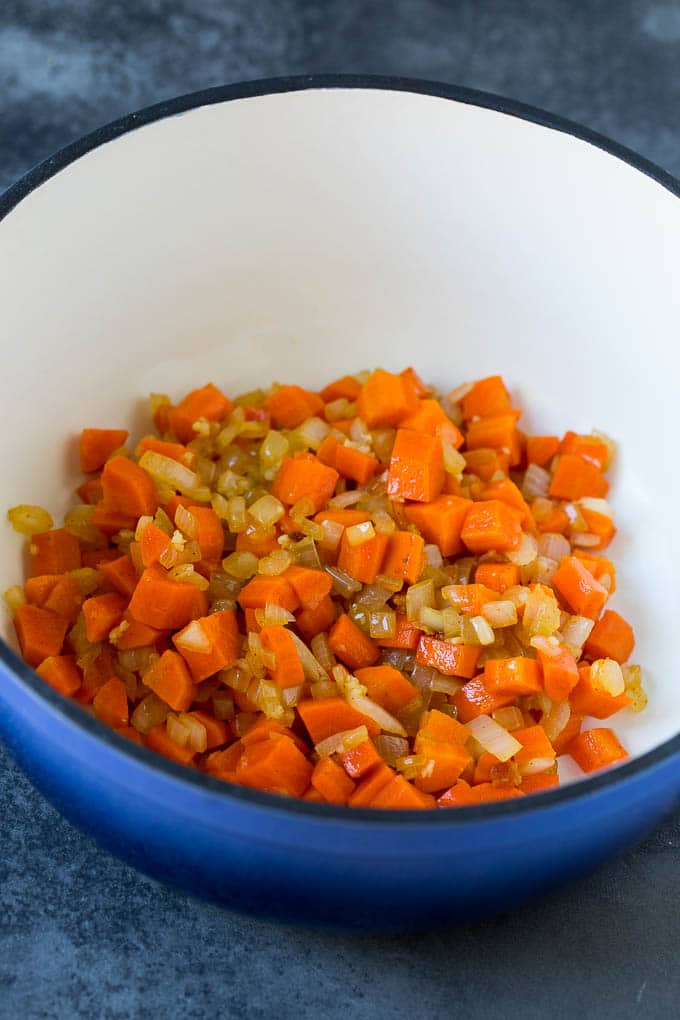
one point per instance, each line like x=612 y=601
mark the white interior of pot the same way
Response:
x=302 y=236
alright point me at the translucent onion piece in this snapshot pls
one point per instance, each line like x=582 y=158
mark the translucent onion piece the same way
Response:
x=509 y=718
x=575 y=633
x=357 y=534
x=500 y=614
x=29 y=520
x=419 y=596
x=343 y=583
x=198 y=737
x=311 y=667
x=186 y=522
x=169 y=471
x=536 y=482
x=493 y=738
x=526 y=553
x=554 y=721
x=178 y=730
x=14 y=598
x=377 y=713
x=321 y=650
x=312 y=433
x=632 y=678
x=391 y=748
x=553 y=545
x=536 y=765
x=606 y=675
x=266 y=510
x=341 y=743
x=598 y=506
x=273 y=616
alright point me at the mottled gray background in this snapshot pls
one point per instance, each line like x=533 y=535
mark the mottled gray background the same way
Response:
x=81 y=935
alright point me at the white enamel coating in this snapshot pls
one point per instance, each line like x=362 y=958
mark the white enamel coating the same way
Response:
x=305 y=235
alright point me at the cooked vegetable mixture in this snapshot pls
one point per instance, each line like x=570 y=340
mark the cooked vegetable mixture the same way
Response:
x=370 y=595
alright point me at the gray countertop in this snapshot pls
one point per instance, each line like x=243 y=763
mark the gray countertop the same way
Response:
x=82 y=935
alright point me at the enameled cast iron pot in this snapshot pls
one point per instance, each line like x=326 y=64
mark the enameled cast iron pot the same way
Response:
x=300 y=229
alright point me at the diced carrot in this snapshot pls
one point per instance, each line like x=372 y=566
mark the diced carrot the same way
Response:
x=265 y=728
x=516 y=676
x=497 y=576
x=595 y=749
x=61 y=673
x=507 y=492
x=601 y=568
x=361 y=759
x=483 y=766
x=600 y=525
x=332 y=782
x=288 y=671
x=90 y=492
x=289 y=406
x=560 y=672
x=487 y=792
x=539 y=782
x=354 y=464
x=137 y=635
x=170 y=680
x=385 y=399
x=209 y=644
x=469 y=598
x=490 y=525
x=363 y=562
x=310 y=586
x=37 y=589
x=157 y=740
x=54 y=552
x=324 y=717
x=575 y=478
x=175 y=501
x=387 y=686
x=461 y=794
x=175 y=451
x=535 y=746
x=411 y=377
x=225 y=761
x=485 y=463
x=110 y=703
x=371 y=785
x=441 y=521
x=311 y=622
x=430 y=417
x=451 y=660
x=474 y=698
x=611 y=638
x=217 y=731
x=578 y=588
x=252 y=541
x=587 y=700
x=571 y=730
x=556 y=520
x=416 y=467
x=210 y=535
x=102 y=613
x=349 y=643
x=275 y=590
x=345 y=517
x=399 y=794
x=275 y=765
x=97 y=445
x=590 y=448
x=487 y=396
x=405 y=557
x=496 y=432
x=304 y=476
x=437 y=726
x=207 y=402
x=164 y=603
x=95 y=557
x=121 y=575
x=406 y=635
x=444 y=763
x=328 y=451
x=40 y=632
x=65 y=598
x=109 y=522
x=127 y=488
x=541 y=449
x=152 y=544
x=347 y=387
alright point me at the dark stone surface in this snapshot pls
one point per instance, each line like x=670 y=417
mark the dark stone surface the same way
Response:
x=82 y=935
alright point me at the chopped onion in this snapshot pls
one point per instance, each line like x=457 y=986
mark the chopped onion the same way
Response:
x=273 y=449
x=509 y=718
x=30 y=520
x=358 y=534
x=553 y=545
x=343 y=584
x=456 y=395
x=165 y=469
x=266 y=510
x=290 y=696
x=419 y=596
x=423 y=677
x=321 y=650
x=14 y=598
x=526 y=553
x=223 y=705
x=342 y=742
x=575 y=632
x=606 y=675
x=345 y=499
x=382 y=623
x=337 y=410
x=632 y=678
x=273 y=616
x=276 y=563
x=451 y=622
x=311 y=433
x=536 y=765
x=377 y=713
x=324 y=689
x=178 y=730
x=150 y=712
x=383 y=522
x=198 y=736
x=445 y=684
x=399 y=658
x=431 y=619
x=193 y=639
x=536 y=482
x=598 y=506
x=554 y=721
x=311 y=667
x=454 y=462
x=500 y=614
x=359 y=434
x=608 y=442
x=541 y=613
x=186 y=522
x=493 y=738
x=391 y=748
x=373 y=596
